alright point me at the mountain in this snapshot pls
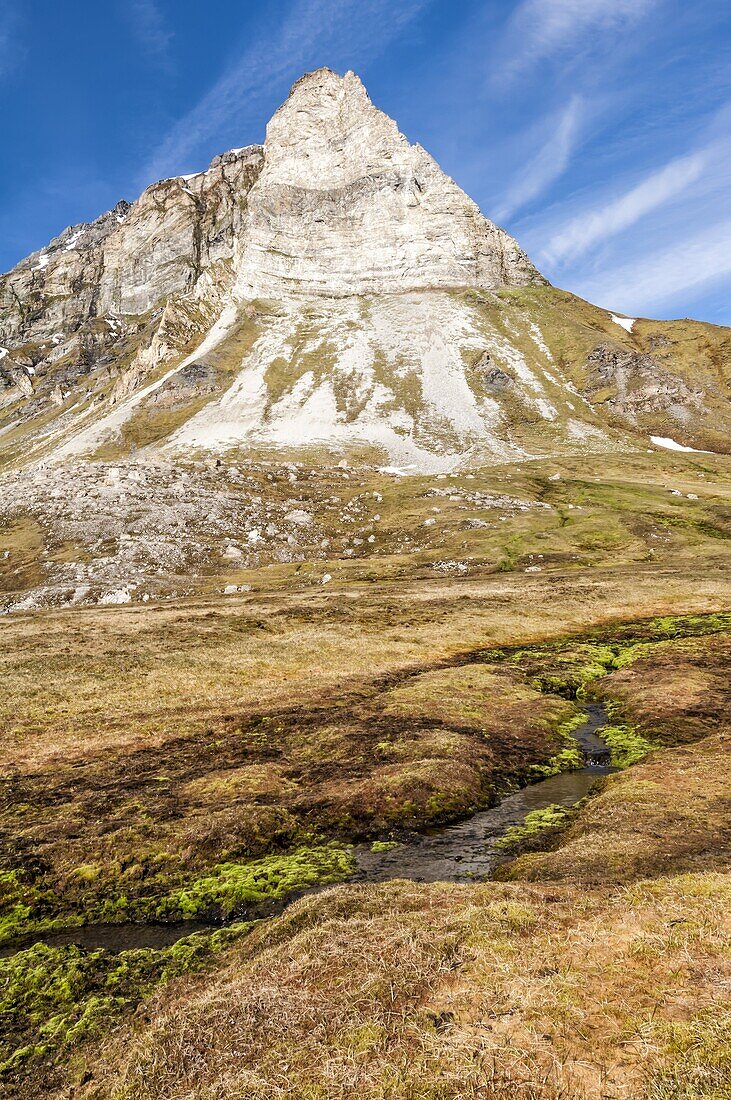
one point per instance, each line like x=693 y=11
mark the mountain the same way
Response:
x=331 y=296
x=338 y=289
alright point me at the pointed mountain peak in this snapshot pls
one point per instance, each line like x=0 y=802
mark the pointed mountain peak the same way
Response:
x=345 y=204
x=327 y=132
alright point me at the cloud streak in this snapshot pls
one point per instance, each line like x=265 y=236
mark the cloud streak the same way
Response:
x=669 y=274
x=548 y=165
x=588 y=229
x=149 y=27
x=311 y=34
x=540 y=30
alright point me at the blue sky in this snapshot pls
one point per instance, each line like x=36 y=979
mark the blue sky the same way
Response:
x=597 y=131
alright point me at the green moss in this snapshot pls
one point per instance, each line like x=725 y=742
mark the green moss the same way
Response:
x=570 y=756
x=384 y=845
x=231 y=886
x=17 y=903
x=665 y=627
x=537 y=824
x=627 y=745
x=568 y=670
x=225 y=890
x=53 y=997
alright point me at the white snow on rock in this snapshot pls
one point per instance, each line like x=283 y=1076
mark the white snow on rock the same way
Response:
x=671 y=445
x=626 y=323
x=71 y=242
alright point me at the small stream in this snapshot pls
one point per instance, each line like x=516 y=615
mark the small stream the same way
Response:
x=470 y=849
x=455 y=853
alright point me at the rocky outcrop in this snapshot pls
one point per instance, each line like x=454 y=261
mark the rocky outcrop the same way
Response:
x=633 y=384
x=195 y=380
x=129 y=259
x=78 y=299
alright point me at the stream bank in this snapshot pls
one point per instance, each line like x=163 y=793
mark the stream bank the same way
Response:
x=463 y=852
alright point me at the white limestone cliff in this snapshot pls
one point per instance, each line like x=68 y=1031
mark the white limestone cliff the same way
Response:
x=346 y=205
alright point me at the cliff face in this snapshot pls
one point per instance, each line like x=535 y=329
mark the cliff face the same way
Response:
x=75 y=300
x=346 y=205
x=128 y=259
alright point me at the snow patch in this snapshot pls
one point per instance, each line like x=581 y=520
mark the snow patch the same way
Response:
x=671 y=445
x=627 y=323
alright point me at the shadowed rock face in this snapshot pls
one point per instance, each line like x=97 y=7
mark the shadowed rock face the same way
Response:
x=128 y=259
x=93 y=281
x=631 y=384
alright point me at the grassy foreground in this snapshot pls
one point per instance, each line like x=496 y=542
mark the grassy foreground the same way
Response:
x=210 y=758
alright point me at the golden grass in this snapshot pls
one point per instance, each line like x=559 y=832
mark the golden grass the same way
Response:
x=406 y=991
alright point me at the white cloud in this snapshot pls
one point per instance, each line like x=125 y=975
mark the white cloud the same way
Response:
x=548 y=164
x=542 y=29
x=585 y=231
x=311 y=33
x=665 y=276
x=148 y=24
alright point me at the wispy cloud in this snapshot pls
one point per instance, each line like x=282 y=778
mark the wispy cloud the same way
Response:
x=543 y=29
x=313 y=33
x=549 y=164
x=148 y=24
x=667 y=275
x=584 y=232
x=11 y=51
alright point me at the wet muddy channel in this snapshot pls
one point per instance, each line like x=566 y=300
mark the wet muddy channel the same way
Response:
x=464 y=852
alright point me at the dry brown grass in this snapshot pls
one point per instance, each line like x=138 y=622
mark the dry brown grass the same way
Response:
x=124 y=678
x=401 y=991
x=671 y=814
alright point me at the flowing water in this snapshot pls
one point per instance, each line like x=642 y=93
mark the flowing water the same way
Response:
x=455 y=853
x=471 y=850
